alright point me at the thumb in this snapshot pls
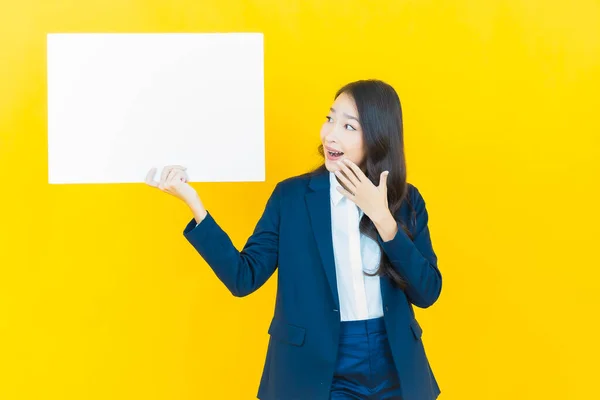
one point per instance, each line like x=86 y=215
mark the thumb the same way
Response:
x=383 y=179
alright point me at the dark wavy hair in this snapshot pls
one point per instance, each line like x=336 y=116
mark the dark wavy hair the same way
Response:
x=380 y=115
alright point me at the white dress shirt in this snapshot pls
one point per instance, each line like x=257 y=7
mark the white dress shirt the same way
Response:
x=359 y=294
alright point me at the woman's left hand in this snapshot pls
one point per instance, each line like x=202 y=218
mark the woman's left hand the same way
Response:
x=371 y=199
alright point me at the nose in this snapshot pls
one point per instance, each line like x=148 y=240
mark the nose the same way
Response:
x=331 y=133
x=330 y=139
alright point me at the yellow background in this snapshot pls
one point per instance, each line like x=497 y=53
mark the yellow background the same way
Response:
x=101 y=297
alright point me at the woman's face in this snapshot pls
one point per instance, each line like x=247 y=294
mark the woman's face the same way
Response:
x=341 y=133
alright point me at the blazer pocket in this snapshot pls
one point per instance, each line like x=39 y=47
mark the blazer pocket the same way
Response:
x=287 y=333
x=416 y=328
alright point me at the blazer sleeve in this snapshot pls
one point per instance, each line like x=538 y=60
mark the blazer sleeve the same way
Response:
x=415 y=260
x=244 y=271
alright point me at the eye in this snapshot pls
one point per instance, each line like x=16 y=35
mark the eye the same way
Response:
x=328 y=118
x=350 y=127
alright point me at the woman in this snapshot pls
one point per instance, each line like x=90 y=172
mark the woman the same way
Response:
x=354 y=254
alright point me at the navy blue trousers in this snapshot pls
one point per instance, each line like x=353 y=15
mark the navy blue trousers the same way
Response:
x=365 y=369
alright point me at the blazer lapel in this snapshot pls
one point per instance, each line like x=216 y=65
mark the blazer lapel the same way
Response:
x=319 y=209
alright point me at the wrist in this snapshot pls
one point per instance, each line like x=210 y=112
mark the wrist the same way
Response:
x=383 y=217
x=386 y=225
x=198 y=210
x=200 y=215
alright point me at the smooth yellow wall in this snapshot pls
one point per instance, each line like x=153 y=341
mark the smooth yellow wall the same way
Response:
x=101 y=297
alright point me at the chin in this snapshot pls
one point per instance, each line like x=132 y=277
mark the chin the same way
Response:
x=331 y=166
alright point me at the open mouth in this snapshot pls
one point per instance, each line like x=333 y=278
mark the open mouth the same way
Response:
x=333 y=154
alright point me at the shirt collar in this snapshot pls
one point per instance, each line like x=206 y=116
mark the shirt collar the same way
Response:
x=336 y=196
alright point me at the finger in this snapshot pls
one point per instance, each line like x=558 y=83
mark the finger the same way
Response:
x=175 y=176
x=169 y=180
x=150 y=178
x=163 y=177
x=349 y=185
x=184 y=175
x=349 y=174
x=169 y=186
x=359 y=174
x=383 y=180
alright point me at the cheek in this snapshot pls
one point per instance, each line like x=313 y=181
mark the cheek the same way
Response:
x=323 y=131
x=356 y=146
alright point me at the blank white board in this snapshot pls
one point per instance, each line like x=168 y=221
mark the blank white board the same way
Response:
x=120 y=104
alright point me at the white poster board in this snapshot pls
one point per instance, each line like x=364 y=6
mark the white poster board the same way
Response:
x=120 y=104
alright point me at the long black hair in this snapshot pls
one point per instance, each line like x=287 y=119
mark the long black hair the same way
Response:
x=380 y=115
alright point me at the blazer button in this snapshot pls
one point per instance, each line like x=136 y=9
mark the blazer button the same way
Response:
x=387 y=308
x=335 y=310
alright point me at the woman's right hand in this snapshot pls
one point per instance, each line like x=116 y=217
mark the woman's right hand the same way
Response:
x=173 y=180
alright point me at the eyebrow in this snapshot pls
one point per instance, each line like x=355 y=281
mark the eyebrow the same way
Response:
x=346 y=115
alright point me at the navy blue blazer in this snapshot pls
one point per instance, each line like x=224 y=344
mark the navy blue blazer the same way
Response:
x=294 y=235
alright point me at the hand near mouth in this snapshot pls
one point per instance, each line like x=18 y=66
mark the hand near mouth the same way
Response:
x=371 y=199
